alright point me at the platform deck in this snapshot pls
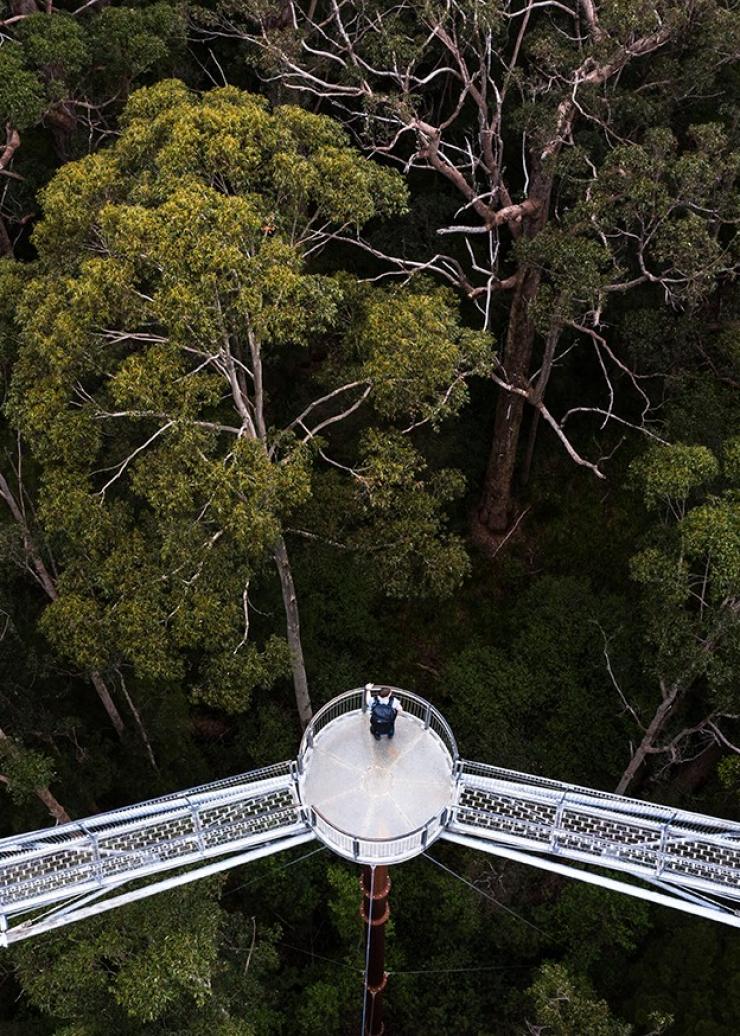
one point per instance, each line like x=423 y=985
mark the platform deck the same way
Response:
x=377 y=789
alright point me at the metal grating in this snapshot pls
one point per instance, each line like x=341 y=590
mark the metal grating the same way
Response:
x=46 y=867
x=676 y=847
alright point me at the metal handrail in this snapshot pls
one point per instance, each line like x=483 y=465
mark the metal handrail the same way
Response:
x=138 y=858
x=378 y=848
x=125 y=818
x=596 y=803
x=552 y=837
x=354 y=701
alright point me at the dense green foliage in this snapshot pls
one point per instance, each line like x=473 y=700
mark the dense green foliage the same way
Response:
x=215 y=396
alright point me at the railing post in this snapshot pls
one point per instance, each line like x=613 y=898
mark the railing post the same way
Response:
x=309 y=738
x=355 y=847
x=424 y=836
x=663 y=845
x=3 y=930
x=196 y=824
x=427 y=714
x=557 y=822
x=97 y=862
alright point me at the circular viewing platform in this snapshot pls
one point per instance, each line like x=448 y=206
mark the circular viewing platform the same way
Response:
x=377 y=801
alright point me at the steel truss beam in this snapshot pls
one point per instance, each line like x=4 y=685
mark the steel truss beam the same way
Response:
x=672 y=897
x=690 y=860
x=72 y=867
x=92 y=904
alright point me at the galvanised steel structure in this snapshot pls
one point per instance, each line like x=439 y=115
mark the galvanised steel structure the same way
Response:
x=376 y=803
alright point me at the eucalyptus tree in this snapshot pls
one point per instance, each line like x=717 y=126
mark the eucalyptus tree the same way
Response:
x=25 y=545
x=564 y=1004
x=580 y=152
x=182 y=373
x=65 y=73
x=173 y=965
x=689 y=571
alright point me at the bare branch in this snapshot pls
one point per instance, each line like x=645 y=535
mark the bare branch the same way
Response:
x=139 y=723
x=12 y=143
x=120 y=468
x=245 y=609
x=313 y=432
x=614 y=681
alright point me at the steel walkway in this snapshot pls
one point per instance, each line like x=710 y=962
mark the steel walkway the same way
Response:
x=372 y=803
x=71 y=867
x=531 y=819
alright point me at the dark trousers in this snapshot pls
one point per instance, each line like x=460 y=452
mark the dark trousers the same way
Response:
x=382 y=726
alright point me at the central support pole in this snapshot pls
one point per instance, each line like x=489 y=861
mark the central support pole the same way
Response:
x=375 y=884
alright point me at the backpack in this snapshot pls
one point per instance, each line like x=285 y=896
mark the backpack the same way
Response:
x=383 y=712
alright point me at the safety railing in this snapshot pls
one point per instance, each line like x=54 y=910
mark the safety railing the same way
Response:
x=375 y=850
x=526 y=788
x=669 y=845
x=45 y=866
x=355 y=701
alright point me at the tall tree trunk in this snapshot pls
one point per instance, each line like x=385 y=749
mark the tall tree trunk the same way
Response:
x=497 y=498
x=107 y=701
x=672 y=693
x=548 y=358
x=496 y=503
x=55 y=808
x=62 y=125
x=6 y=245
x=290 y=601
x=529 y=452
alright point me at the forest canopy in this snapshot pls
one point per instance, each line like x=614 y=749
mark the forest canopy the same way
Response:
x=369 y=341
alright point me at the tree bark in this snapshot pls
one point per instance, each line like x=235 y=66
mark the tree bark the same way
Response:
x=496 y=502
x=298 y=665
x=55 y=808
x=654 y=728
x=529 y=453
x=24 y=7
x=540 y=388
x=498 y=486
x=62 y=125
x=108 y=704
x=6 y=245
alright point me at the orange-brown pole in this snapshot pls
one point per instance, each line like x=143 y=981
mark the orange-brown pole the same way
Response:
x=375 y=912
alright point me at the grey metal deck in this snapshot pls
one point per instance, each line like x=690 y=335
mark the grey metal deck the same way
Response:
x=377 y=789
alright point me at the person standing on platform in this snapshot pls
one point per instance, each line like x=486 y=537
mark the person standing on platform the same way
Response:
x=384 y=707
